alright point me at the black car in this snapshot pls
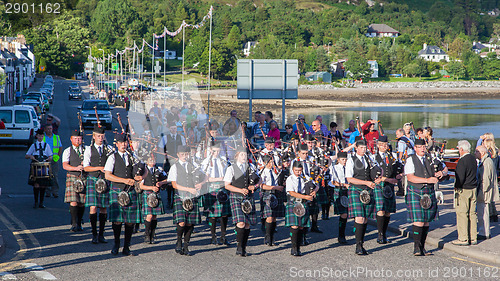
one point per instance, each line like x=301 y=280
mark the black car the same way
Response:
x=74 y=94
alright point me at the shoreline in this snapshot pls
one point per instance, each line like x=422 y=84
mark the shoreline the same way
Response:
x=224 y=100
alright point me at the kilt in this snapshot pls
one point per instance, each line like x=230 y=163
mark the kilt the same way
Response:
x=93 y=198
x=321 y=196
x=293 y=220
x=70 y=195
x=127 y=214
x=146 y=210
x=337 y=207
x=382 y=203
x=180 y=215
x=356 y=208
x=213 y=206
x=415 y=212
x=313 y=207
x=237 y=212
x=266 y=211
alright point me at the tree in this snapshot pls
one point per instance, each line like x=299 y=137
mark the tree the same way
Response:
x=475 y=66
x=459 y=46
x=457 y=69
x=357 y=66
x=411 y=69
x=492 y=66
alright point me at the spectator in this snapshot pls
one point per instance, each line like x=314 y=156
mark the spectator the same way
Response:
x=405 y=146
x=335 y=134
x=256 y=115
x=465 y=196
x=202 y=118
x=155 y=109
x=54 y=142
x=269 y=117
x=287 y=138
x=419 y=133
x=409 y=133
x=370 y=134
x=232 y=124
x=258 y=130
x=275 y=133
x=487 y=191
x=54 y=121
x=322 y=126
x=347 y=132
x=302 y=122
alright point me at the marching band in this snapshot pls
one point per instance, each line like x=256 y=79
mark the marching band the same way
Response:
x=223 y=178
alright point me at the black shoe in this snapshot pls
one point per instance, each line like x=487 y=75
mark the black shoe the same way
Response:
x=417 y=252
x=266 y=240
x=56 y=195
x=186 y=252
x=342 y=240
x=101 y=239
x=423 y=252
x=115 y=249
x=386 y=240
x=360 y=251
x=243 y=253
x=238 y=252
x=223 y=241
x=41 y=206
x=73 y=229
x=482 y=237
x=295 y=253
x=214 y=241
x=147 y=239
x=380 y=239
x=95 y=240
x=78 y=227
x=126 y=251
x=136 y=228
x=316 y=230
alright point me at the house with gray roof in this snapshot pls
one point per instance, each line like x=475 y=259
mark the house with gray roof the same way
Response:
x=433 y=53
x=381 y=30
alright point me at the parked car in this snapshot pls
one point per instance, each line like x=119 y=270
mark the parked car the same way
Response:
x=48 y=93
x=43 y=103
x=89 y=118
x=74 y=94
x=21 y=122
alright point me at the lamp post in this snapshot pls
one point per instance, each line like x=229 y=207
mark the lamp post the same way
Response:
x=103 y=68
x=90 y=57
x=329 y=43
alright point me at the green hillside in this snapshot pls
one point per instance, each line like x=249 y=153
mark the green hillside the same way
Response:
x=314 y=32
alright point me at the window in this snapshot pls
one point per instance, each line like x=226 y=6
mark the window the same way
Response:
x=22 y=116
x=7 y=115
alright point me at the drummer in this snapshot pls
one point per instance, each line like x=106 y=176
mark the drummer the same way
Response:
x=72 y=159
x=39 y=152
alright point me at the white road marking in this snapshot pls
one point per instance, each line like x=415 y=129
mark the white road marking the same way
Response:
x=38 y=271
x=7 y=276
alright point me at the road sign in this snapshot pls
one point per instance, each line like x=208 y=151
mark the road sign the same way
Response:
x=115 y=66
x=89 y=65
x=157 y=69
x=133 y=82
x=99 y=67
x=42 y=67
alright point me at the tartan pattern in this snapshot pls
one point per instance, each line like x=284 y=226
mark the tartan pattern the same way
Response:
x=146 y=210
x=92 y=197
x=266 y=211
x=321 y=196
x=128 y=214
x=237 y=212
x=212 y=205
x=382 y=203
x=293 y=220
x=356 y=208
x=415 y=212
x=337 y=207
x=180 y=215
x=70 y=195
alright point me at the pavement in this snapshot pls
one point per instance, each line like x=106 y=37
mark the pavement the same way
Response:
x=443 y=231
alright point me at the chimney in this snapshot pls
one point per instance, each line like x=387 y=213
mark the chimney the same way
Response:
x=425 y=46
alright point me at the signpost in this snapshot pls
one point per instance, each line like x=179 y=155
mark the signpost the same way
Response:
x=268 y=79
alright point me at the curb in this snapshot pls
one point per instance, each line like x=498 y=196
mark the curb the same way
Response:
x=440 y=244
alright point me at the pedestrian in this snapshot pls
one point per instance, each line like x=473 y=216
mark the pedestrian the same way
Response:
x=465 y=195
x=54 y=142
x=487 y=191
x=55 y=121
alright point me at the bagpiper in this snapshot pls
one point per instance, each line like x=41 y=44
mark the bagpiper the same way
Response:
x=97 y=187
x=271 y=198
x=72 y=159
x=340 y=194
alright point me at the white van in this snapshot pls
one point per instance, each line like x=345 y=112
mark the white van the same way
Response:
x=21 y=122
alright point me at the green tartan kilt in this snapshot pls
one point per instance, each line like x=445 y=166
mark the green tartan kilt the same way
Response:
x=181 y=215
x=337 y=207
x=146 y=210
x=415 y=212
x=266 y=211
x=127 y=214
x=382 y=203
x=100 y=200
x=212 y=205
x=70 y=195
x=356 y=208
x=293 y=220
x=321 y=196
x=237 y=212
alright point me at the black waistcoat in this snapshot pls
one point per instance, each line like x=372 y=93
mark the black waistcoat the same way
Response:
x=97 y=160
x=420 y=170
x=185 y=178
x=121 y=170
x=74 y=161
x=360 y=172
x=172 y=144
x=389 y=170
x=239 y=180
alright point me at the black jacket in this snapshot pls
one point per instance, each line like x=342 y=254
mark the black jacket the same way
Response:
x=466 y=171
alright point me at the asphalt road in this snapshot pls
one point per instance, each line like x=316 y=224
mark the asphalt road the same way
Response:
x=39 y=245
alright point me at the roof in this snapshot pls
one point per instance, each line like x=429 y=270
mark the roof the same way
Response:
x=478 y=46
x=432 y=50
x=381 y=28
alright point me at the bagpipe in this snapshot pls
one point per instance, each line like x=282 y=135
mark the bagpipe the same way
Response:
x=153 y=199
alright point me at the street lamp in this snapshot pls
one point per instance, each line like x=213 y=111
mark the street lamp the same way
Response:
x=103 y=68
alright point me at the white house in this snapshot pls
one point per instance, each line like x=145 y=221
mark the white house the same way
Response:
x=433 y=53
x=248 y=47
x=374 y=67
x=381 y=30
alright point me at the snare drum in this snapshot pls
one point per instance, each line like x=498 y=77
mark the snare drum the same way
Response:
x=40 y=170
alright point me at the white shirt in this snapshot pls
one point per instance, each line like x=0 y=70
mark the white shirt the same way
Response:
x=32 y=151
x=172 y=173
x=337 y=172
x=221 y=167
x=308 y=163
x=266 y=177
x=88 y=152
x=292 y=184
x=67 y=152
x=410 y=167
x=110 y=163
x=349 y=166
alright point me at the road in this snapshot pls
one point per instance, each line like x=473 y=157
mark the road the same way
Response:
x=39 y=245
